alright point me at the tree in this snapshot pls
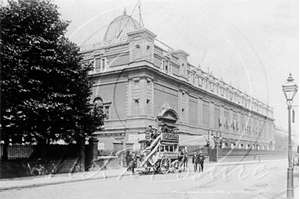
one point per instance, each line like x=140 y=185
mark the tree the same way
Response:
x=44 y=84
x=281 y=142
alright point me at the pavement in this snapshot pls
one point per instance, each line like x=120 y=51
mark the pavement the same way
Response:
x=37 y=181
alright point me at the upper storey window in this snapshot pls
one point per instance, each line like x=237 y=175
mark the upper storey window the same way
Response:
x=200 y=81
x=238 y=98
x=100 y=65
x=191 y=78
x=166 y=64
x=222 y=91
x=212 y=86
x=216 y=88
x=98 y=102
x=137 y=52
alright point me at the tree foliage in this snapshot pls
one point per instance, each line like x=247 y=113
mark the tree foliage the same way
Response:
x=44 y=84
x=281 y=142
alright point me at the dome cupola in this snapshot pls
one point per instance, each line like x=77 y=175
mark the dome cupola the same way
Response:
x=120 y=26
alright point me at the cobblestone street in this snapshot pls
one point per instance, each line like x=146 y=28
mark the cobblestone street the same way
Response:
x=261 y=180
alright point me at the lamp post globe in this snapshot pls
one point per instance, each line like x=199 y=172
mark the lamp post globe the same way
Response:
x=290 y=90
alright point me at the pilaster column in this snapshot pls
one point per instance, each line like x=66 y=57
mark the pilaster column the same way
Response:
x=239 y=122
x=152 y=98
x=180 y=105
x=230 y=120
x=187 y=107
x=222 y=118
x=129 y=98
x=143 y=90
x=251 y=125
x=199 y=112
x=211 y=115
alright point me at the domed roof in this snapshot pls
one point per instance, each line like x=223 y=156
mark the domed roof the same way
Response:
x=120 y=26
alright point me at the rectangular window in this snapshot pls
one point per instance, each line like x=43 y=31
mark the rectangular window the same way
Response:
x=170 y=68
x=234 y=120
x=166 y=67
x=220 y=121
x=106 y=111
x=98 y=64
x=162 y=65
x=204 y=84
x=200 y=82
x=193 y=79
x=205 y=114
x=103 y=64
x=167 y=148
x=216 y=117
x=226 y=117
x=211 y=86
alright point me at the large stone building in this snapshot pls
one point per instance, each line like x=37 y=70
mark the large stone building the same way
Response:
x=138 y=81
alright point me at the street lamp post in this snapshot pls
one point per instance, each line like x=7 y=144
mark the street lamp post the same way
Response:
x=290 y=90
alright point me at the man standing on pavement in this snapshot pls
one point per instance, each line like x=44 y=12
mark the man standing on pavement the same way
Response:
x=133 y=161
x=196 y=161
x=186 y=158
x=180 y=158
x=201 y=161
x=127 y=158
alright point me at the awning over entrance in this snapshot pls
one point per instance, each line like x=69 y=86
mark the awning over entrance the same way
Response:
x=192 y=140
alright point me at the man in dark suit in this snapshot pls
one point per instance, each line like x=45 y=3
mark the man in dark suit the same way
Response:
x=128 y=158
x=196 y=161
x=201 y=161
x=133 y=161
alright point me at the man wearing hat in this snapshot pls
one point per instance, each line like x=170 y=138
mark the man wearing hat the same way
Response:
x=201 y=161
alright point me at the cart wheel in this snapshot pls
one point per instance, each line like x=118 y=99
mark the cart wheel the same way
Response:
x=165 y=165
x=176 y=166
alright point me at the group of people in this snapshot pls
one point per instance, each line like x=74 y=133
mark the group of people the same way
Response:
x=198 y=161
x=161 y=129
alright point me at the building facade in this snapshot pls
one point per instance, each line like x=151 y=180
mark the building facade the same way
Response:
x=137 y=80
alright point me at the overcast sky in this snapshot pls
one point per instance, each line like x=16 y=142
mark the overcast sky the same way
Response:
x=253 y=45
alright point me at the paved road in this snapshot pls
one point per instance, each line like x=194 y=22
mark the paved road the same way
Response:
x=264 y=180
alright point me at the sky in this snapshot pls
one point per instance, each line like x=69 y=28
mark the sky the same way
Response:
x=251 y=44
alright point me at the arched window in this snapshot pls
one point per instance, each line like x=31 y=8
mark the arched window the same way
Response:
x=98 y=102
x=137 y=52
x=105 y=106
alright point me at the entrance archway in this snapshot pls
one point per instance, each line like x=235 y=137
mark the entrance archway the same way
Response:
x=167 y=117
